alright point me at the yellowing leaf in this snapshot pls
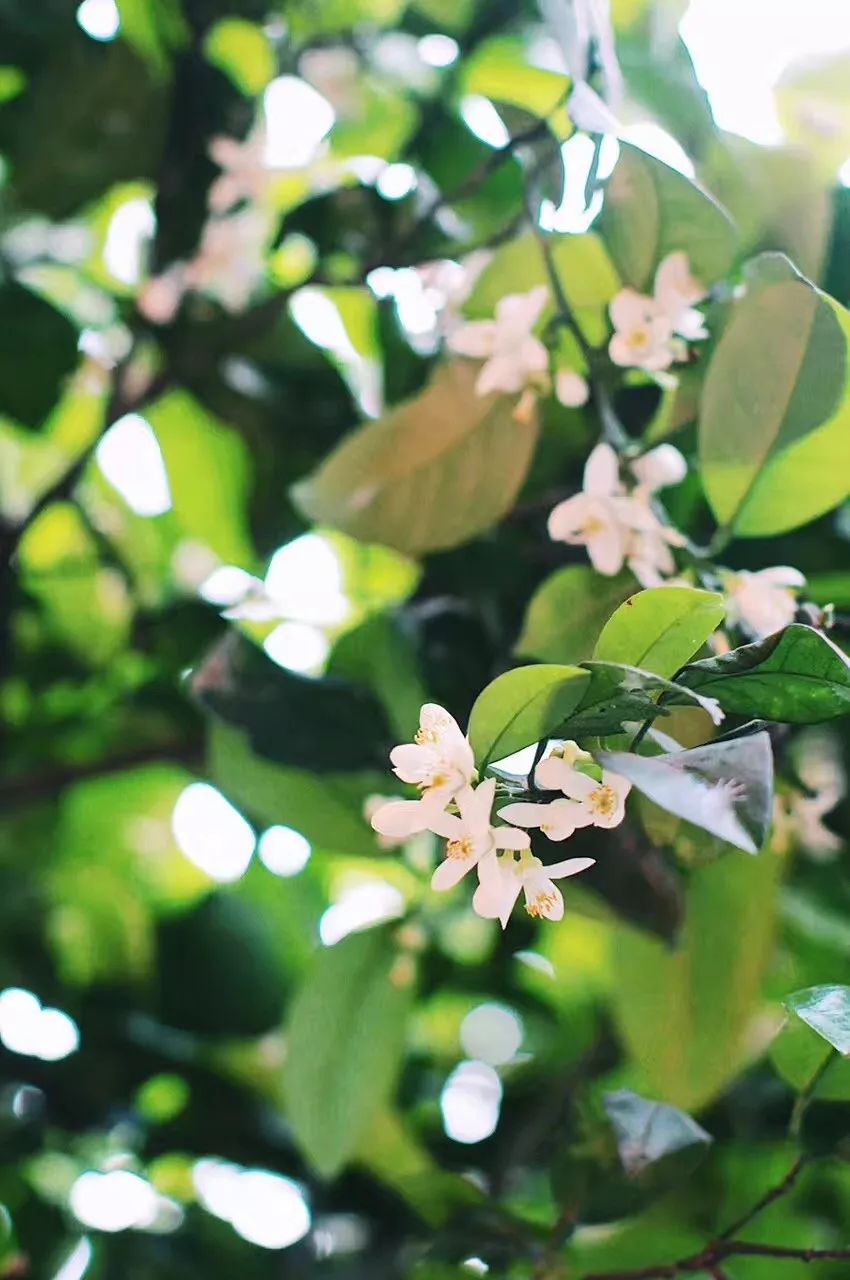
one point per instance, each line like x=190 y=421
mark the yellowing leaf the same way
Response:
x=434 y=472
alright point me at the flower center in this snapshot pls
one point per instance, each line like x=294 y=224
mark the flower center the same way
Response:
x=425 y=737
x=603 y=801
x=638 y=338
x=540 y=904
x=460 y=848
x=593 y=526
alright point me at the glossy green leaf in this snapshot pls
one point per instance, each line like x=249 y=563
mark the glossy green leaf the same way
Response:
x=155 y=28
x=435 y=472
x=826 y=1010
x=567 y=612
x=649 y=1132
x=521 y=707
x=797 y=676
x=725 y=787
x=295 y=720
x=801 y=1054
x=345 y=1036
x=660 y=629
x=652 y=210
x=774 y=442
x=691 y=1017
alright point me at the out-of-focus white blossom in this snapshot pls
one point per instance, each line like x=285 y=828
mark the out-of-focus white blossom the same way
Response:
x=513 y=357
x=763 y=601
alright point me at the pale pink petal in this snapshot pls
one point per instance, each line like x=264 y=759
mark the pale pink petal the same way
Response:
x=475 y=804
x=496 y=895
x=621 y=352
x=413 y=763
x=532 y=356
x=675 y=287
x=476 y=339
x=632 y=310
x=606 y=548
x=446 y=825
x=568 y=517
x=564 y=817
x=576 y=785
x=781 y=575
x=542 y=897
x=500 y=373
x=602 y=472
x=571 y=389
x=551 y=771
x=518 y=313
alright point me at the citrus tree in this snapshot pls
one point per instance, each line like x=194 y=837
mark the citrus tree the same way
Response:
x=424 y=538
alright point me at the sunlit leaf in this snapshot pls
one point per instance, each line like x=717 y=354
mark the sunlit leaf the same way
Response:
x=523 y=706
x=332 y=1093
x=773 y=439
x=498 y=69
x=660 y=629
x=243 y=51
x=725 y=787
x=797 y=676
x=432 y=473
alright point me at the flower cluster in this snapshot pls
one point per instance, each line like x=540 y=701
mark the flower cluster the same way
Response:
x=454 y=805
x=621 y=525
x=515 y=359
x=650 y=331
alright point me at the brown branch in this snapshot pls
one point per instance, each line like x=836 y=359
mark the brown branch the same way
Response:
x=774 y=1193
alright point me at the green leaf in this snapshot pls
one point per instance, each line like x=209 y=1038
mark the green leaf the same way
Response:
x=826 y=1010
x=619 y=695
x=380 y=655
x=725 y=787
x=345 y=1037
x=327 y=808
x=312 y=724
x=243 y=51
x=567 y=612
x=652 y=210
x=435 y=472
x=797 y=676
x=800 y=1054
x=521 y=707
x=498 y=69
x=650 y=1132
x=394 y=1155
x=660 y=629
x=38 y=352
x=691 y=1017
x=814 y=109
x=774 y=440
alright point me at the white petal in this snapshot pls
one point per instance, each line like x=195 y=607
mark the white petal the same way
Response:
x=568 y=517
x=543 y=896
x=518 y=313
x=450 y=872
x=659 y=468
x=413 y=763
x=524 y=813
x=632 y=310
x=550 y=773
x=496 y=894
x=569 y=867
x=500 y=373
x=563 y=818
x=475 y=805
x=675 y=287
x=476 y=339
x=781 y=575
x=602 y=472
x=576 y=785
x=511 y=838
x=606 y=549
x=402 y=818
x=571 y=389
x=446 y=825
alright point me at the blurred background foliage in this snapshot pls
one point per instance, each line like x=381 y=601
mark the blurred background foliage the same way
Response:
x=208 y=1067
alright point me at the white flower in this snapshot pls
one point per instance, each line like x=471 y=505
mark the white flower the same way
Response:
x=571 y=388
x=397 y=820
x=764 y=601
x=244 y=175
x=676 y=292
x=439 y=761
x=557 y=819
x=642 y=332
x=335 y=74
x=231 y=258
x=470 y=835
x=503 y=878
x=604 y=801
x=596 y=518
x=513 y=356
x=374 y=804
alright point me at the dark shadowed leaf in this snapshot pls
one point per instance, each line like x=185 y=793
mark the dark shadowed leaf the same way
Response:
x=310 y=724
x=649 y=1132
x=826 y=1010
x=797 y=676
x=431 y=474
x=567 y=612
x=345 y=1038
x=38 y=351
x=725 y=787
x=521 y=707
x=618 y=695
x=660 y=629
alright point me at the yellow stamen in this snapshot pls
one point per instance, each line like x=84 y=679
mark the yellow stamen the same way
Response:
x=459 y=848
x=541 y=904
x=603 y=801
